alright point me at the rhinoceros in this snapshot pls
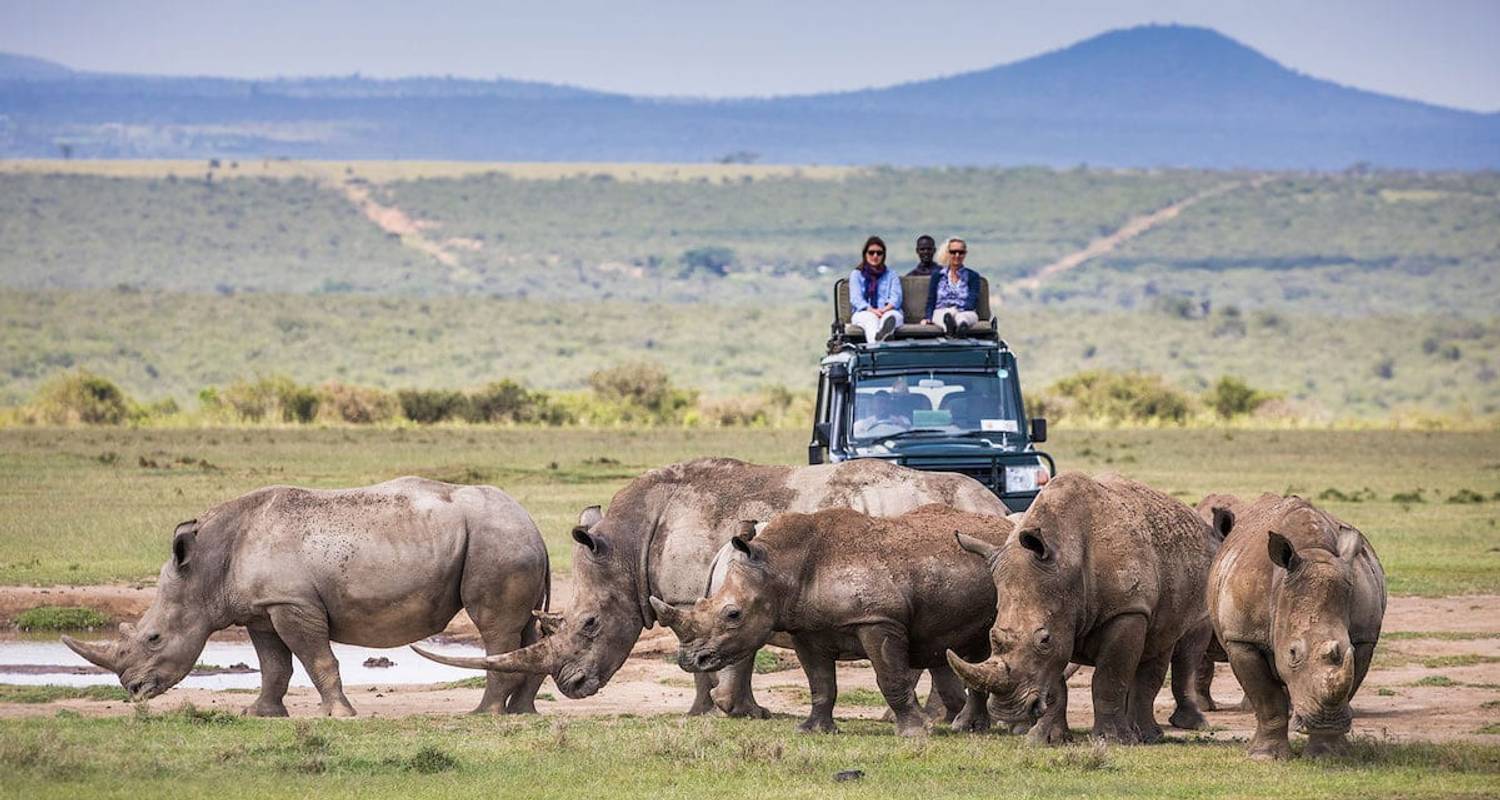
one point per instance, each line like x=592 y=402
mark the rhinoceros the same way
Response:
x=379 y=566
x=1218 y=511
x=660 y=537
x=1104 y=572
x=1297 y=598
x=844 y=585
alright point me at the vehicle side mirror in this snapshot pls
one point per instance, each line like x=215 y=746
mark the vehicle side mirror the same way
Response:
x=1038 y=429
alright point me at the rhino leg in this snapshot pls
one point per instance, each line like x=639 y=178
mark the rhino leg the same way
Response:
x=1269 y=698
x=305 y=632
x=523 y=699
x=1052 y=727
x=275 y=673
x=703 y=700
x=889 y=653
x=1203 y=684
x=501 y=610
x=1363 y=653
x=1149 y=676
x=1120 y=645
x=1187 y=657
x=733 y=695
x=822 y=684
x=947 y=697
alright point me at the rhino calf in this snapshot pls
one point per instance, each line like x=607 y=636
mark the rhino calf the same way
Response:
x=1108 y=573
x=1296 y=597
x=379 y=566
x=843 y=585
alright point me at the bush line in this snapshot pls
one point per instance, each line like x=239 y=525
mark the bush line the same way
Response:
x=641 y=394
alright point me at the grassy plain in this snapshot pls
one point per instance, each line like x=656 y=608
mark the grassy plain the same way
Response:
x=196 y=754
x=98 y=506
x=157 y=345
x=1354 y=295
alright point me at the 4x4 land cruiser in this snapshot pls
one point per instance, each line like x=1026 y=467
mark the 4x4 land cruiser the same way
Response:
x=927 y=401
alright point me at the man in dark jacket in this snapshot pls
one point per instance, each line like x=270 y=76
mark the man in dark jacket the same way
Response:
x=926 y=247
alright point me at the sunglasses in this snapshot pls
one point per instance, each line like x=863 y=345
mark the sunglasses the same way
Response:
x=874 y=252
x=957 y=252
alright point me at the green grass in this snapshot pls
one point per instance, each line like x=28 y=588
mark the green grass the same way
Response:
x=857 y=697
x=47 y=693
x=1461 y=660
x=1436 y=680
x=1451 y=636
x=177 y=755
x=80 y=518
x=60 y=618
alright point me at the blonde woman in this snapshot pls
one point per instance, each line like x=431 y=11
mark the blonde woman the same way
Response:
x=953 y=294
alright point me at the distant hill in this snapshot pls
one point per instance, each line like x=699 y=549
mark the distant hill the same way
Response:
x=1142 y=97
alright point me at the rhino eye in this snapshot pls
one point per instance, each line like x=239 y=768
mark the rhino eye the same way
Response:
x=590 y=626
x=1043 y=639
x=153 y=638
x=732 y=614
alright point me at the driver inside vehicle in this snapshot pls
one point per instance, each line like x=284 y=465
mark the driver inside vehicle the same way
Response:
x=879 y=417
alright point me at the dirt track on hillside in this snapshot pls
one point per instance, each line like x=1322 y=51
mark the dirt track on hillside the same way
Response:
x=1388 y=706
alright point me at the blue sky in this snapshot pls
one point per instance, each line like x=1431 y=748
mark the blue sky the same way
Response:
x=1442 y=51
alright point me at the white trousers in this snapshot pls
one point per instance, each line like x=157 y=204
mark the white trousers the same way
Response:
x=970 y=318
x=870 y=323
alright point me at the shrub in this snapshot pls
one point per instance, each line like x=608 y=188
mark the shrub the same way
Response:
x=361 y=405
x=81 y=397
x=508 y=401
x=712 y=260
x=274 y=397
x=426 y=406
x=1232 y=397
x=60 y=618
x=644 y=386
x=1119 y=396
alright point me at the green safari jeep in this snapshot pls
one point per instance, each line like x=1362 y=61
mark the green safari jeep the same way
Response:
x=927 y=401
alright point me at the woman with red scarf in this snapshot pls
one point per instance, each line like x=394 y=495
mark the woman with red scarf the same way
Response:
x=875 y=294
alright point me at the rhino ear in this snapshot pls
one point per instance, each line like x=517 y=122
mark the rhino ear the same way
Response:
x=1349 y=543
x=753 y=553
x=589 y=517
x=184 y=541
x=748 y=529
x=1282 y=553
x=548 y=621
x=582 y=536
x=1031 y=539
x=1223 y=522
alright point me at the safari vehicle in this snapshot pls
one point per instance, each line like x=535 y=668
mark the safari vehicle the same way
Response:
x=928 y=401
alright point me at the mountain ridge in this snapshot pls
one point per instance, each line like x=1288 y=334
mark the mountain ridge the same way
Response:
x=1160 y=95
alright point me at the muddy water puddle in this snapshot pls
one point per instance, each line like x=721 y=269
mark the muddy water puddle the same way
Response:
x=35 y=659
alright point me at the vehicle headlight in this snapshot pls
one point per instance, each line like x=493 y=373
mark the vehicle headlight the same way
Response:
x=1026 y=477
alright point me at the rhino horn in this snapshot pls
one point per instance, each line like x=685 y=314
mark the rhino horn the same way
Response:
x=537 y=659
x=666 y=613
x=984 y=676
x=100 y=655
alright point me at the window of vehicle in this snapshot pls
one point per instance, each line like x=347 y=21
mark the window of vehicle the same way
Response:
x=935 y=403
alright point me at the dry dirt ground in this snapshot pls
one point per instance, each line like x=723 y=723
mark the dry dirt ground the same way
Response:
x=1445 y=686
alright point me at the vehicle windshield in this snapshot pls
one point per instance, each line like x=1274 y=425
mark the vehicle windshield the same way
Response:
x=936 y=404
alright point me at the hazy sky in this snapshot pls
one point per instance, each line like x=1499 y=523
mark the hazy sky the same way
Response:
x=1441 y=51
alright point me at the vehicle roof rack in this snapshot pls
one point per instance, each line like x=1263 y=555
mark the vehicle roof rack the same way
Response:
x=914 y=304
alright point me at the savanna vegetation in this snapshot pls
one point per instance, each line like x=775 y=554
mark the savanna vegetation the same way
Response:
x=193 y=753
x=97 y=505
x=1354 y=295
